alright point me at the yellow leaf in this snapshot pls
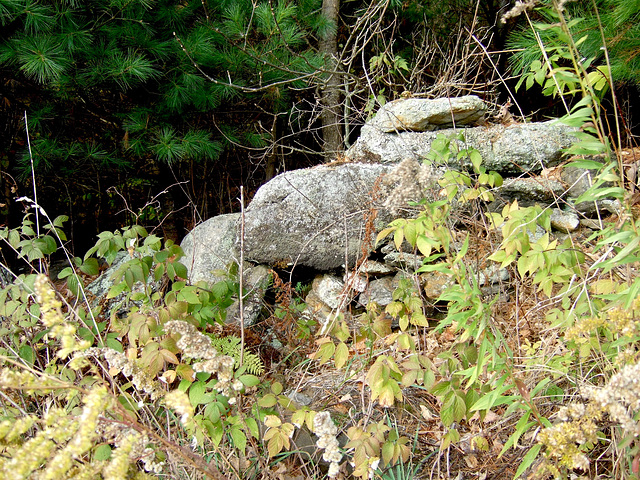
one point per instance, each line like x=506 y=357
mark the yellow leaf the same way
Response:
x=272 y=421
x=341 y=355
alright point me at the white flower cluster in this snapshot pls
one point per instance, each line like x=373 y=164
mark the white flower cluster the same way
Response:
x=119 y=362
x=197 y=345
x=621 y=395
x=131 y=446
x=324 y=427
x=179 y=402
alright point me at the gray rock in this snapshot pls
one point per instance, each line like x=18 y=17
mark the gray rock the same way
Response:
x=508 y=149
x=101 y=285
x=329 y=290
x=256 y=282
x=592 y=223
x=372 y=267
x=537 y=235
x=313 y=217
x=600 y=207
x=492 y=275
x=421 y=114
x=403 y=260
x=565 y=222
x=578 y=180
x=379 y=291
x=528 y=191
x=300 y=398
x=209 y=247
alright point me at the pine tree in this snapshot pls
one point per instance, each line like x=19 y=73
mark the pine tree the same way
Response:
x=618 y=21
x=130 y=88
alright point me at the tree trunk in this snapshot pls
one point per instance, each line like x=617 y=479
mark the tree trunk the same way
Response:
x=331 y=105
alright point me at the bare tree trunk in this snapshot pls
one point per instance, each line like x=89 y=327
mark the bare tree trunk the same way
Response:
x=331 y=116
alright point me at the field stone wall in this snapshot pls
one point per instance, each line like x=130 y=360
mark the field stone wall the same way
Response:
x=317 y=217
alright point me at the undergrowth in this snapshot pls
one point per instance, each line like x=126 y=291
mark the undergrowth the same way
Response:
x=537 y=380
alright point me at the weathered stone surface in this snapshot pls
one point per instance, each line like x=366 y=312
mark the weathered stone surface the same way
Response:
x=578 y=180
x=528 y=191
x=256 y=281
x=101 y=285
x=600 y=207
x=379 y=291
x=435 y=283
x=422 y=114
x=508 y=149
x=492 y=275
x=209 y=247
x=403 y=260
x=565 y=222
x=312 y=217
x=372 y=267
x=329 y=290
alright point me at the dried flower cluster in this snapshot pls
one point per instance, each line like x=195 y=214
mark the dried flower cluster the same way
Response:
x=197 y=345
x=52 y=317
x=119 y=363
x=409 y=181
x=563 y=441
x=619 y=321
x=326 y=431
x=619 y=399
x=518 y=9
x=131 y=446
x=62 y=440
x=178 y=401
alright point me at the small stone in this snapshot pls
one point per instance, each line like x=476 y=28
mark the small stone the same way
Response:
x=379 y=291
x=435 y=283
x=300 y=398
x=493 y=275
x=403 y=260
x=329 y=290
x=592 y=223
x=373 y=267
x=565 y=222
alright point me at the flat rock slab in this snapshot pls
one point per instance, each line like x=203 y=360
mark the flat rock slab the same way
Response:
x=511 y=149
x=422 y=114
x=313 y=217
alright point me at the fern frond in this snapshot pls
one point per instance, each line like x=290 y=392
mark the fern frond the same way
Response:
x=231 y=346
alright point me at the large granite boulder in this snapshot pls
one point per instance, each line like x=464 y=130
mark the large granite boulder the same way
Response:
x=210 y=247
x=422 y=114
x=508 y=149
x=313 y=217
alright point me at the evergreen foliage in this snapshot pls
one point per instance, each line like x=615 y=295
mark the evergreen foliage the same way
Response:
x=615 y=20
x=145 y=85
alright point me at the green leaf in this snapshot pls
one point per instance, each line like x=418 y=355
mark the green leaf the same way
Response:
x=249 y=380
x=198 y=395
x=90 y=267
x=239 y=438
x=528 y=460
x=268 y=400
x=26 y=353
x=102 y=453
